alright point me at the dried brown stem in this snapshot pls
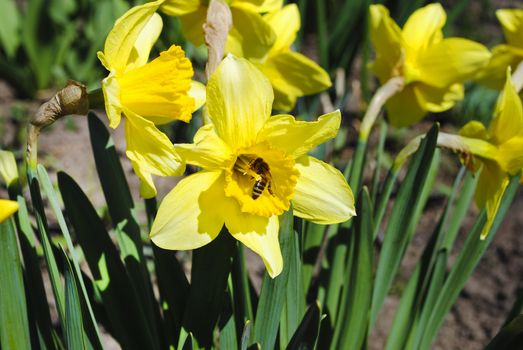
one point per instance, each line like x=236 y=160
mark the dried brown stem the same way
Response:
x=70 y=100
x=216 y=28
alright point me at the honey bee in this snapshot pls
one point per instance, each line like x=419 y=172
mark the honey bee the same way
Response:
x=257 y=169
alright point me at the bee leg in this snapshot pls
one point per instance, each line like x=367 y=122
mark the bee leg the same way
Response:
x=269 y=188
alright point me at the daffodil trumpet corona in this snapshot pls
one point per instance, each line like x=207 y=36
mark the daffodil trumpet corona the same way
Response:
x=253 y=166
x=147 y=93
x=496 y=153
x=433 y=68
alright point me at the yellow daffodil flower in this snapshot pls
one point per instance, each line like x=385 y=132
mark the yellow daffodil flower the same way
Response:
x=253 y=165
x=291 y=74
x=502 y=154
x=247 y=27
x=147 y=93
x=505 y=55
x=7 y=208
x=433 y=68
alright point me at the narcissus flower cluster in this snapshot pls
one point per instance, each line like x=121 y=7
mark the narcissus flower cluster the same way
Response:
x=253 y=167
x=433 y=68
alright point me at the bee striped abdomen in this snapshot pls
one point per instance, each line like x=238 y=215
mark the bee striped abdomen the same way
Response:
x=258 y=188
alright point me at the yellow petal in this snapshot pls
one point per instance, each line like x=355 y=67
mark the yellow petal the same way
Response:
x=296 y=138
x=387 y=40
x=474 y=129
x=250 y=36
x=208 y=150
x=434 y=99
x=7 y=208
x=403 y=108
x=260 y=234
x=197 y=92
x=8 y=167
x=508 y=117
x=511 y=155
x=493 y=204
x=239 y=101
x=145 y=41
x=293 y=75
x=147 y=187
x=180 y=7
x=164 y=95
x=322 y=194
x=192 y=25
x=489 y=182
x=423 y=28
x=190 y=216
x=113 y=105
x=512 y=22
x=121 y=39
x=450 y=61
x=495 y=73
x=150 y=148
x=259 y=6
x=286 y=24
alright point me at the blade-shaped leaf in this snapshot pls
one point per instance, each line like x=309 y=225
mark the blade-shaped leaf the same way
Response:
x=400 y=223
x=14 y=327
x=210 y=269
x=351 y=326
x=273 y=291
x=124 y=306
x=307 y=332
x=74 y=328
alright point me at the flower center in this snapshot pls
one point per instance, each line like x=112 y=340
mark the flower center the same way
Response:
x=262 y=180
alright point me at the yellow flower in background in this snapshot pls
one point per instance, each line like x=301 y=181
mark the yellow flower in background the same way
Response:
x=291 y=74
x=505 y=55
x=248 y=26
x=253 y=166
x=502 y=154
x=434 y=68
x=147 y=93
x=7 y=208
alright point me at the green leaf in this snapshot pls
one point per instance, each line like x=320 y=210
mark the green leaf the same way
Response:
x=40 y=317
x=211 y=266
x=353 y=317
x=122 y=211
x=243 y=309
x=14 y=327
x=273 y=291
x=49 y=191
x=470 y=254
x=227 y=324
x=509 y=337
x=246 y=335
x=406 y=207
x=44 y=237
x=294 y=306
x=10 y=19
x=307 y=332
x=74 y=328
x=123 y=305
